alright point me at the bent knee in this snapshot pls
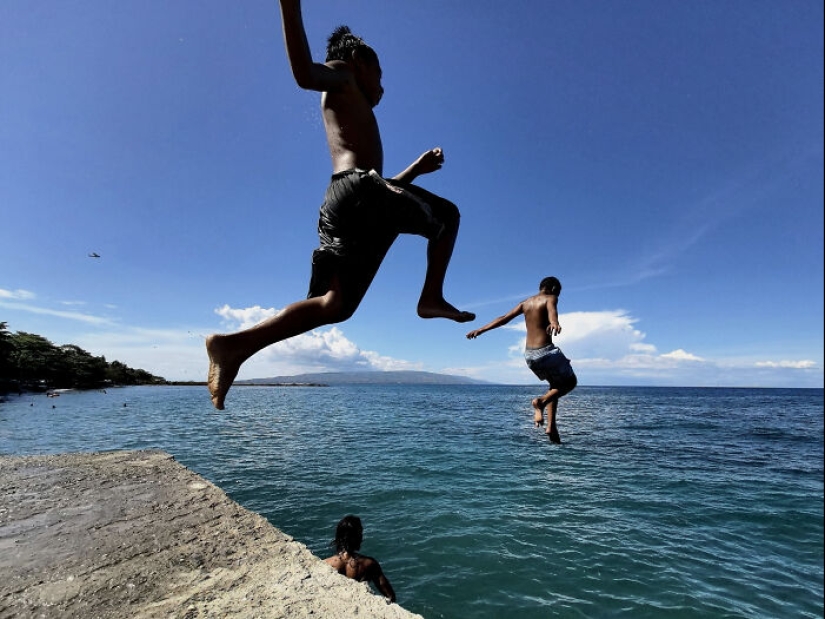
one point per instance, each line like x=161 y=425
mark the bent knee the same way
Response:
x=337 y=307
x=450 y=215
x=570 y=384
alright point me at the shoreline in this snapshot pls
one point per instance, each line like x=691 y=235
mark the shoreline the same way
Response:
x=137 y=534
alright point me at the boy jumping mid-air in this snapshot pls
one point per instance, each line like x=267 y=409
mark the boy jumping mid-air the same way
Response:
x=542 y=356
x=362 y=213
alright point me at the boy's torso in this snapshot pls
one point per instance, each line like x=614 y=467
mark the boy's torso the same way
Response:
x=352 y=131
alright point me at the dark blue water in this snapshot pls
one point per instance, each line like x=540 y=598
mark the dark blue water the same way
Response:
x=661 y=502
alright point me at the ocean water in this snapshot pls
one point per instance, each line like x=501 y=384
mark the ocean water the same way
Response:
x=661 y=502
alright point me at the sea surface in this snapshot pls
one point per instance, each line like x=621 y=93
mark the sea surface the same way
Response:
x=661 y=502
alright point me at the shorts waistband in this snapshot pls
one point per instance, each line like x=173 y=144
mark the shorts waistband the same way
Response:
x=548 y=347
x=350 y=172
x=535 y=353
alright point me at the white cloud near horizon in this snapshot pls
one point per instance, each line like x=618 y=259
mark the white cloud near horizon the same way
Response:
x=796 y=365
x=606 y=346
x=318 y=350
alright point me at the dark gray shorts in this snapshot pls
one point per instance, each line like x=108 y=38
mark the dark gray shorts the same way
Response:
x=361 y=217
x=550 y=364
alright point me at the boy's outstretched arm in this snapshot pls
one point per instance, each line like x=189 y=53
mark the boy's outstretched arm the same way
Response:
x=498 y=322
x=430 y=161
x=308 y=74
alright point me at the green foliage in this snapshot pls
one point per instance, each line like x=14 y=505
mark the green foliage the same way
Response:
x=29 y=361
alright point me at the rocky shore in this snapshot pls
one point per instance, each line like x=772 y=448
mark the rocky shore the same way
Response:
x=136 y=534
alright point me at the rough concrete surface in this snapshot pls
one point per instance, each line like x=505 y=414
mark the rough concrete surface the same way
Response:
x=136 y=534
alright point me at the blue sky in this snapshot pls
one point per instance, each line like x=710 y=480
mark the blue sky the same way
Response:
x=663 y=158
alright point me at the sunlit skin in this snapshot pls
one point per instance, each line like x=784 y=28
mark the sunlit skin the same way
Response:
x=350 y=90
x=351 y=563
x=363 y=569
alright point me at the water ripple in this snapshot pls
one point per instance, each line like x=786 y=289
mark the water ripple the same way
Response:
x=660 y=503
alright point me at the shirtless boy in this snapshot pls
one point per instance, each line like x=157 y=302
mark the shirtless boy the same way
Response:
x=362 y=213
x=348 y=536
x=542 y=356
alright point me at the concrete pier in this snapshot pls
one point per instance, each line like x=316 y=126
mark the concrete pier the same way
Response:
x=136 y=534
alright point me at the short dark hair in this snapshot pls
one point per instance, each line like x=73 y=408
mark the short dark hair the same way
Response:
x=341 y=43
x=551 y=285
x=348 y=534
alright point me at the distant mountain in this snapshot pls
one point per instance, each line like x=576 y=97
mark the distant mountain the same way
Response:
x=381 y=378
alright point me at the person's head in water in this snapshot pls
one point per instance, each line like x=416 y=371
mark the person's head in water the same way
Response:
x=348 y=535
x=550 y=285
x=345 y=46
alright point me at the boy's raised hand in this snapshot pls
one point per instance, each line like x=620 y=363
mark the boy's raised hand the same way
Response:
x=429 y=161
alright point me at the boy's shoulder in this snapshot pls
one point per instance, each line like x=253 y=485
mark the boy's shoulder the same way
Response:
x=339 y=65
x=342 y=67
x=345 y=82
x=536 y=299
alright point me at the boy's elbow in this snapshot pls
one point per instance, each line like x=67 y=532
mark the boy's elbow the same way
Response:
x=304 y=80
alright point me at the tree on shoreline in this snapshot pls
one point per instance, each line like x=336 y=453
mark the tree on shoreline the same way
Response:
x=30 y=362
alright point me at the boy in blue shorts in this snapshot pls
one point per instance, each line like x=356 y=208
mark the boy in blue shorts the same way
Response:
x=542 y=356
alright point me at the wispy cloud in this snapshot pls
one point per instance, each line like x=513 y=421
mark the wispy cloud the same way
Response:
x=795 y=365
x=21 y=295
x=695 y=220
x=513 y=298
x=68 y=315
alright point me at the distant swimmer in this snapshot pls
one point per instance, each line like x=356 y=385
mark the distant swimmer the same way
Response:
x=542 y=356
x=349 y=562
x=94 y=254
x=363 y=212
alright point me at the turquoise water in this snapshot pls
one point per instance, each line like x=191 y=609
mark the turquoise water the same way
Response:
x=661 y=502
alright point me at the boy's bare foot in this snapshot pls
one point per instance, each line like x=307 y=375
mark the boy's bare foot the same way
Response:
x=222 y=370
x=538 y=412
x=442 y=309
x=553 y=435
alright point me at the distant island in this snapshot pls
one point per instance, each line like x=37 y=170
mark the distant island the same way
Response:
x=366 y=377
x=30 y=362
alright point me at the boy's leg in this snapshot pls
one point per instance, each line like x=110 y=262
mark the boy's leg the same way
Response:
x=552 y=430
x=418 y=211
x=228 y=352
x=538 y=411
x=540 y=403
x=567 y=386
x=431 y=304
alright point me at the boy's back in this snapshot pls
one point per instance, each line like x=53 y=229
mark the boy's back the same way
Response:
x=363 y=569
x=358 y=567
x=539 y=311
